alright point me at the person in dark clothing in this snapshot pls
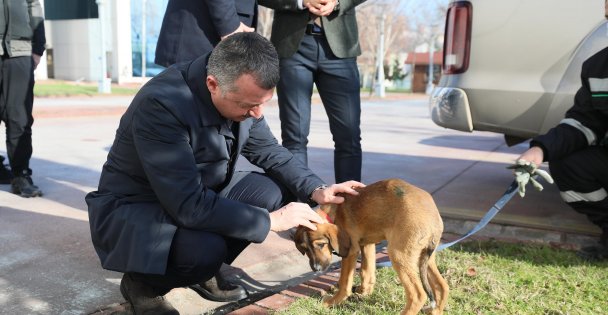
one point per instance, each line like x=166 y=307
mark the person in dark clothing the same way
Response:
x=577 y=151
x=23 y=40
x=192 y=28
x=170 y=207
x=318 y=43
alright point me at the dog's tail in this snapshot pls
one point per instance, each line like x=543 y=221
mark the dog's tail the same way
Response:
x=423 y=264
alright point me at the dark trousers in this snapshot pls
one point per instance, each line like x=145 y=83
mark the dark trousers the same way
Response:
x=582 y=179
x=16 y=103
x=196 y=256
x=337 y=82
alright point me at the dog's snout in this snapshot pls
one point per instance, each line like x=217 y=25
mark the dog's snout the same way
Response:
x=316 y=266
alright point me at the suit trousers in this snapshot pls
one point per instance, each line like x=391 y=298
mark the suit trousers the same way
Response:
x=16 y=104
x=337 y=81
x=196 y=256
x=582 y=179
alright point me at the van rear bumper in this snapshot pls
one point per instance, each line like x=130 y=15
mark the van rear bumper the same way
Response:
x=450 y=109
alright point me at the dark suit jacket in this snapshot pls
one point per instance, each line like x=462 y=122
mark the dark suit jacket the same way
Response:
x=192 y=28
x=289 y=26
x=168 y=161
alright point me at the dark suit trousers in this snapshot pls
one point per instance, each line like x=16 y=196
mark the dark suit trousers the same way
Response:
x=337 y=82
x=196 y=256
x=16 y=103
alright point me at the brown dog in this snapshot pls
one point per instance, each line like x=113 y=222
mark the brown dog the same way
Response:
x=393 y=210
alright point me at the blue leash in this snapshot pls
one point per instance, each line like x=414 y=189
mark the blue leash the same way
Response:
x=482 y=223
x=487 y=217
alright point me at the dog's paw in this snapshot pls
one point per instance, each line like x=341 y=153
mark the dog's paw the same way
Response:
x=327 y=300
x=428 y=309
x=331 y=300
x=363 y=291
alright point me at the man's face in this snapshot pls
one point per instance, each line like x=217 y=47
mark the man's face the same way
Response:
x=245 y=102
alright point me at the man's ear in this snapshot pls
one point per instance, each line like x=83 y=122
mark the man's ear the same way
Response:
x=301 y=240
x=212 y=84
x=338 y=240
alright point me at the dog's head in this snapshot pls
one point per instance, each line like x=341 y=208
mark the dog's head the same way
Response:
x=320 y=244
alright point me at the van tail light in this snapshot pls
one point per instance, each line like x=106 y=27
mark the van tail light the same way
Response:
x=457 y=44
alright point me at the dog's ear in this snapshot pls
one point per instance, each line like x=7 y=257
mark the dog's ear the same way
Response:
x=301 y=240
x=338 y=240
x=345 y=244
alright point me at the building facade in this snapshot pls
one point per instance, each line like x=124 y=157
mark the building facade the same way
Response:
x=80 y=36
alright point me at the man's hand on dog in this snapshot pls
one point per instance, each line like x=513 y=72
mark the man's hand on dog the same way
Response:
x=293 y=215
x=330 y=194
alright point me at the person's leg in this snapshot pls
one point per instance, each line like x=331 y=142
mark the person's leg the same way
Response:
x=294 y=92
x=17 y=84
x=195 y=256
x=255 y=189
x=582 y=179
x=338 y=84
x=5 y=174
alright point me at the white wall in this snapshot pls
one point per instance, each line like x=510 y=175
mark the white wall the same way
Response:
x=76 y=45
x=75 y=53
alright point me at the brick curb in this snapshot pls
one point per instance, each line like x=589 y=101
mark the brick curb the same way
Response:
x=315 y=287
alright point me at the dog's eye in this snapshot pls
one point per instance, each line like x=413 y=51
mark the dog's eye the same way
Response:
x=321 y=245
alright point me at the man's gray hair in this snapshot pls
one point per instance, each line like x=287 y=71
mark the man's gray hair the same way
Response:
x=244 y=53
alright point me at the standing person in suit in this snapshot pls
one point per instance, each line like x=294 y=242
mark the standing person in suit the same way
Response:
x=318 y=43
x=170 y=207
x=192 y=28
x=23 y=40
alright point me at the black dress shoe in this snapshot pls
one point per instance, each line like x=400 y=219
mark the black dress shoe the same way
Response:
x=144 y=299
x=220 y=290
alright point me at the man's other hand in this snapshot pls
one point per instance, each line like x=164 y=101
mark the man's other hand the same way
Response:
x=242 y=28
x=329 y=194
x=293 y=215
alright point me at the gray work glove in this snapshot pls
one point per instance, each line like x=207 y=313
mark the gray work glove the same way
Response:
x=525 y=172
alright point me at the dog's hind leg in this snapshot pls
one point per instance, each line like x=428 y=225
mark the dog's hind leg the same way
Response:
x=405 y=264
x=368 y=269
x=439 y=285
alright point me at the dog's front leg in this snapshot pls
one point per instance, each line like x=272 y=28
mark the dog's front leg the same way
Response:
x=368 y=269
x=345 y=283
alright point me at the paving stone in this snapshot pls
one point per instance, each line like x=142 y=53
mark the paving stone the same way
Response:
x=250 y=310
x=276 y=302
x=321 y=283
x=527 y=234
x=303 y=290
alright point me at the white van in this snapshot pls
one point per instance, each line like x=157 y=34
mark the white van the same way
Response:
x=513 y=67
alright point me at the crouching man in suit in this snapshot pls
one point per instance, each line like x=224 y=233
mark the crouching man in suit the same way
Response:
x=170 y=207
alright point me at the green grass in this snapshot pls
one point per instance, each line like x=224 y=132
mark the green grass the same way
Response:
x=60 y=88
x=492 y=278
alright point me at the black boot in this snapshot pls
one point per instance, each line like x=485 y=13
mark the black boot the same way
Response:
x=24 y=186
x=220 y=290
x=5 y=174
x=598 y=251
x=144 y=299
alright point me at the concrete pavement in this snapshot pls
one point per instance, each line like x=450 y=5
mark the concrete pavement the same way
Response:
x=48 y=265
